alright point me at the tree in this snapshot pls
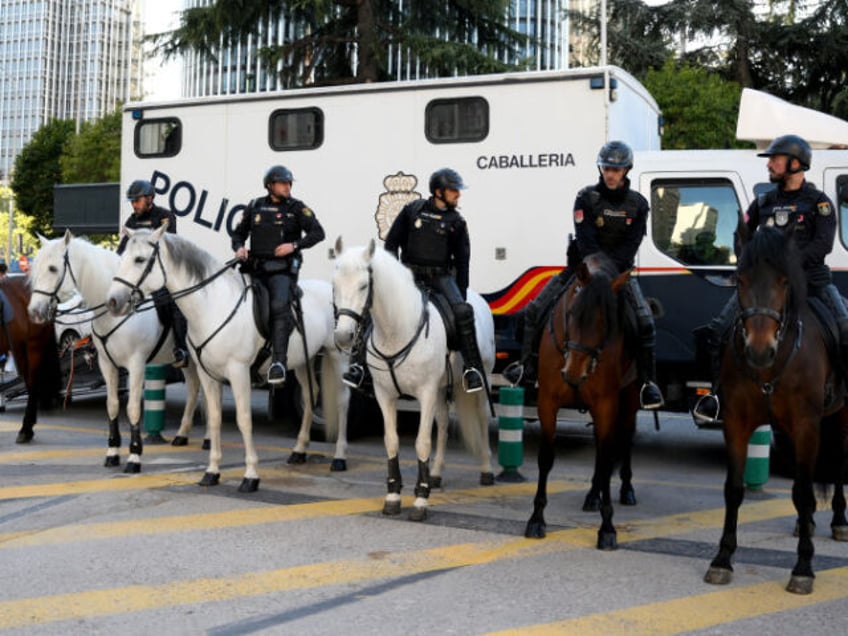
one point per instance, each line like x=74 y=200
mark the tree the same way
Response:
x=699 y=107
x=94 y=155
x=37 y=169
x=349 y=40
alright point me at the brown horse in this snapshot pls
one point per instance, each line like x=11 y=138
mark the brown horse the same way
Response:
x=776 y=369
x=586 y=330
x=34 y=349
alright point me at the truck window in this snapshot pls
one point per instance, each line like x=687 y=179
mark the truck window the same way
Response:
x=460 y=120
x=693 y=221
x=158 y=137
x=296 y=129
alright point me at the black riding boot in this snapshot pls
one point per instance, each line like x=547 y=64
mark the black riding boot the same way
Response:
x=525 y=370
x=472 y=375
x=357 y=376
x=650 y=395
x=180 y=328
x=280 y=332
x=708 y=407
x=830 y=294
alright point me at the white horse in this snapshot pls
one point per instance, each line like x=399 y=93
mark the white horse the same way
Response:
x=66 y=264
x=224 y=341
x=408 y=354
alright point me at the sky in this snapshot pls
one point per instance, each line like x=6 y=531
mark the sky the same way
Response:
x=162 y=80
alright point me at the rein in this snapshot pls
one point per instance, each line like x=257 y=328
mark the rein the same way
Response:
x=594 y=353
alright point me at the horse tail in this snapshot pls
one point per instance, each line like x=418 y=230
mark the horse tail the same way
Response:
x=473 y=420
x=331 y=389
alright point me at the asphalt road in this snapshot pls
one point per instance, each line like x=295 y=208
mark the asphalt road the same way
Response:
x=86 y=549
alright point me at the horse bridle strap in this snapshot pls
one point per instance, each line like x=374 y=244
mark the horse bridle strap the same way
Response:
x=136 y=295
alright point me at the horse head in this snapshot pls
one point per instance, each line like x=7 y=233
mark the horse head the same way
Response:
x=769 y=287
x=52 y=279
x=352 y=290
x=140 y=272
x=591 y=316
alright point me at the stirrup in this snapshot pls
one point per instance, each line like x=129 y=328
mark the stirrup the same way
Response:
x=354 y=376
x=276 y=374
x=180 y=358
x=654 y=404
x=472 y=380
x=706 y=409
x=514 y=373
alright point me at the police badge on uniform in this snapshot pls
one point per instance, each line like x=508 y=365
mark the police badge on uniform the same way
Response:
x=770 y=221
x=257 y=218
x=578 y=216
x=417 y=223
x=824 y=208
x=599 y=221
x=307 y=211
x=781 y=217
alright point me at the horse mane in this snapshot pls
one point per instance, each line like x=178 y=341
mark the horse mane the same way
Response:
x=195 y=261
x=597 y=295
x=769 y=247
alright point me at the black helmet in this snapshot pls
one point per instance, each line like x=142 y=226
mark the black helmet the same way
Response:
x=276 y=174
x=445 y=179
x=140 y=188
x=615 y=154
x=792 y=146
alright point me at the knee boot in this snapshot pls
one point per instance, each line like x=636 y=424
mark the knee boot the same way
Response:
x=708 y=407
x=836 y=304
x=472 y=375
x=357 y=375
x=180 y=328
x=280 y=331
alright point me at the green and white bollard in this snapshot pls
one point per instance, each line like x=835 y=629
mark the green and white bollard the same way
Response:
x=757 y=464
x=154 y=402
x=510 y=433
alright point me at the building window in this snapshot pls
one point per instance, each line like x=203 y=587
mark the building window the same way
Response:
x=296 y=129
x=158 y=137
x=459 y=120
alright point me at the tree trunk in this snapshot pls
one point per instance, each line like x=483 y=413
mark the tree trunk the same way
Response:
x=367 y=69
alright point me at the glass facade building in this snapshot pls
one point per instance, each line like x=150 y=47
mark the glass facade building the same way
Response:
x=63 y=59
x=238 y=70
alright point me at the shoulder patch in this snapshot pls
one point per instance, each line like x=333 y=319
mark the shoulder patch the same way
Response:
x=578 y=216
x=307 y=211
x=824 y=208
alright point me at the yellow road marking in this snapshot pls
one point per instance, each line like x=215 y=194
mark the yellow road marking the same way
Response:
x=692 y=613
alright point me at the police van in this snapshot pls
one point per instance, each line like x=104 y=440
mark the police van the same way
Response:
x=524 y=143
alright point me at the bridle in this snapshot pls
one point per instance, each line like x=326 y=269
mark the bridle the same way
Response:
x=359 y=318
x=136 y=294
x=593 y=353
x=53 y=296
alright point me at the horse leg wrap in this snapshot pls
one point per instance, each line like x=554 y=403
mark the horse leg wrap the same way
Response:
x=422 y=488
x=114 y=434
x=394 y=483
x=135 y=440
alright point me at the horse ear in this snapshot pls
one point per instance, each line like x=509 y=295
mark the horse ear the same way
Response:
x=372 y=247
x=621 y=280
x=160 y=231
x=68 y=236
x=44 y=240
x=583 y=273
x=339 y=248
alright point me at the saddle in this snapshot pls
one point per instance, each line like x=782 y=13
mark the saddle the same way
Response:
x=262 y=309
x=443 y=306
x=830 y=331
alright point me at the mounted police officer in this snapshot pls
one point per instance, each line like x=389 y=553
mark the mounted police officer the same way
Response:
x=611 y=218
x=279 y=227
x=807 y=215
x=149 y=216
x=431 y=238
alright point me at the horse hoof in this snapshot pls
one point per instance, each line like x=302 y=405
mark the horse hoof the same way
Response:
x=296 y=458
x=338 y=465
x=209 y=479
x=179 y=440
x=435 y=481
x=249 y=484
x=800 y=584
x=718 y=576
x=535 y=530
x=132 y=468
x=24 y=436
x=391 y=507
x=627 y=497
x=591 y=503
x=206 y=444
x=839 y=533
x=112 y=461
x=487 y=479
x=607 y=541
x=418 y=514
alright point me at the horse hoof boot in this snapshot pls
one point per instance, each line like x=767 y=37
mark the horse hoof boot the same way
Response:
x=627 y=497
x=338 y=465
x=435 y=481
x=207 y=444
x=718 y=576
x=132 y=468
x=487 y=479
x=24 y=436
x=535 y=530
x=418 y=513
x=209 y=479
x=800 y=584
x=249 y=484
x=391 y=507
x=179 y=440
x=839 y=533
x=607 y=540
x=112 y=461
x=296 y=458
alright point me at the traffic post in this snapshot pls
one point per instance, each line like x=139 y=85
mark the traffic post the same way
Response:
x=757 y=464
x=510 y=433
x=154 y=403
